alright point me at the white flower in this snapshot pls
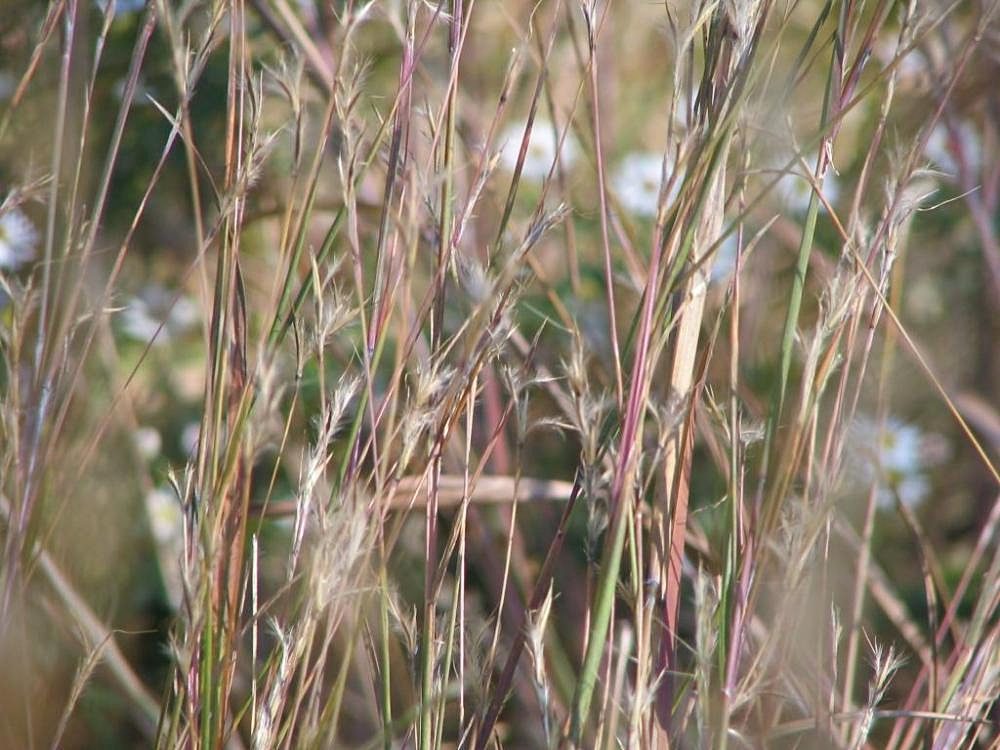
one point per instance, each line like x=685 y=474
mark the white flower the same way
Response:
x=795 y=191
x=190 y=436
x=154 y=305
x=123 y=7
x=129 y=6
x=541 y=153
x=166 y=524
x=18 y=240
x=637 y=183
x=893 y=457
x=147 y=442
x=950 y=149
x=724 y=262
x=912 y=491
x=911 y=67
x=166 y=520
x=899 y=448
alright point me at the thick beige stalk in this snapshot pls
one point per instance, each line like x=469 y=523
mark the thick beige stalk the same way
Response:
x=677 y=451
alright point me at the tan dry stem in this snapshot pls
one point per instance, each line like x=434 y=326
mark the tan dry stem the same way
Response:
x=677 y=451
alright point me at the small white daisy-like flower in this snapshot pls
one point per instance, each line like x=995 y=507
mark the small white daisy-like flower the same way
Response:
x=893 y=457
x=166 y=519
x=166 y=524
x=724 y=262
x=637 y=183
x=950 y=148
x=912 y=491
x=129 y=6
x=541 y=153
x=18 y=240
x=911 y=67
x=123 y=7
x=141 y=318
x=190 y=436
x=147 y=442
x=899 y=448
x=795 y=191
